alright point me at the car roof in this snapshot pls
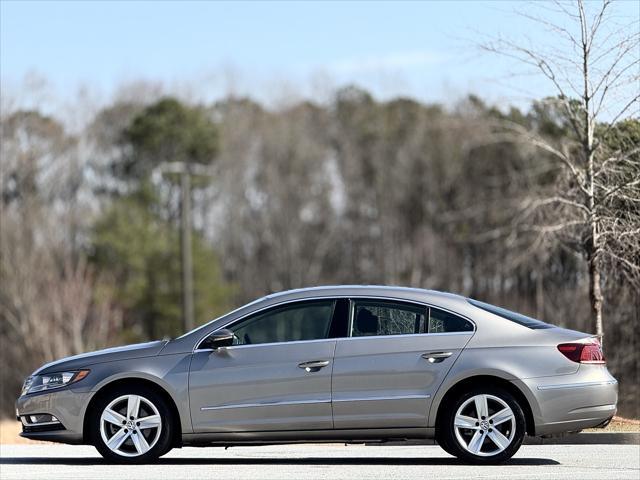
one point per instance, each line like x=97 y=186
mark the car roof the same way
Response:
x=407 y=293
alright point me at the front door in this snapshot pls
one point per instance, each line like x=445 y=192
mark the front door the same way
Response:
x=387 y=372
x=276 y=376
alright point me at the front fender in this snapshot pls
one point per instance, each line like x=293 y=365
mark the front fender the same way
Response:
x=168 y=372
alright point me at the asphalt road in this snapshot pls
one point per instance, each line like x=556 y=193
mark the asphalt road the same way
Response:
x=301 y=462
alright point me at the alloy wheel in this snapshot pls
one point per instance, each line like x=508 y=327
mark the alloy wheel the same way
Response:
x=484 y=425
x=130 y=425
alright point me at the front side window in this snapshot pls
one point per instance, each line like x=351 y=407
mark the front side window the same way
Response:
x=287 y=323
x=372 y=318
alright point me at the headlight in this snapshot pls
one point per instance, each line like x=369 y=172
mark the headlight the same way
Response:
x=39 y=383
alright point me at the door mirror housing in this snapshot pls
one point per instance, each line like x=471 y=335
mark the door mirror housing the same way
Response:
x=218 y=339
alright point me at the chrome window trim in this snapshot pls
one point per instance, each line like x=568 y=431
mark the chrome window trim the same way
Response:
x=412 y=335
x=334 y=297
x=264 y=404
x=234 y=347
x=576 y=385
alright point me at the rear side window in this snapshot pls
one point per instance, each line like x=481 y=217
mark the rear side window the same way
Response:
x=379 y=317
x=372 y=318
x=511 y=316
x=445 y=322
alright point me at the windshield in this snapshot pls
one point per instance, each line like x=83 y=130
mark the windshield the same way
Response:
x=201 y=327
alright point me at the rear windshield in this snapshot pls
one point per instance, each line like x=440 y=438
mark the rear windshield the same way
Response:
x=511 y=316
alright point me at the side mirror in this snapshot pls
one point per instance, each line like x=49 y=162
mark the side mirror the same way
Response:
x=218 y=339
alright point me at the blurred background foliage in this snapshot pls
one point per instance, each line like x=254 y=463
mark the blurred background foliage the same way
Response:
x=355 y=191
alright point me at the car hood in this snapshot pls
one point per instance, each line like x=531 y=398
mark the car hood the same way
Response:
x=126 y=352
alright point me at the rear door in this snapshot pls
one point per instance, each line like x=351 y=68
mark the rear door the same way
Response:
x=391 y=365
x=277 y=375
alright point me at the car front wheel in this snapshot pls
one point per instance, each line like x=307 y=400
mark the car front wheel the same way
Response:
x=484 y=425
x=132 y=425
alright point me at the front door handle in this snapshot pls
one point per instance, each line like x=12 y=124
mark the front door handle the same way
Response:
x=436 y=357
x=314 y=365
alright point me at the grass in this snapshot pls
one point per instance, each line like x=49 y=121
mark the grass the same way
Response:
x=619 y=424
x=10 y=429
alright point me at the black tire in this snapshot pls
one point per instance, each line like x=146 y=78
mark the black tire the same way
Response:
x=451 y=444
x=162 y=445
x=442 y=441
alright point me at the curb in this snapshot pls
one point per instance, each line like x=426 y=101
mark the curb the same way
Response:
x=586 y=438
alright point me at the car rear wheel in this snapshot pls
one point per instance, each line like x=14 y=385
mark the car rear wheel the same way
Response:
x=483 y=425
x=132 y=425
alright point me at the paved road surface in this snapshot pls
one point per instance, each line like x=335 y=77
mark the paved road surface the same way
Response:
x=301 y=462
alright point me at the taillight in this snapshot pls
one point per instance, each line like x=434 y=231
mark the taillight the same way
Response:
x=583 y=352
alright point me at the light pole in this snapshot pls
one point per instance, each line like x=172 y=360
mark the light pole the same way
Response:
x=185 y=249
x=186 y=170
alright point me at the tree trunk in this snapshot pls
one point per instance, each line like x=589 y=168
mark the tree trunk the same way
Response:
x=539 y=295
x=595 y=292
x=593 y=249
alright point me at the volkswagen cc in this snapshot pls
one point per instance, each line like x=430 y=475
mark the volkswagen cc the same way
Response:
x=330 y=364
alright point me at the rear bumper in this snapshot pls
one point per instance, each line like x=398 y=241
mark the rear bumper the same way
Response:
x=573 y=402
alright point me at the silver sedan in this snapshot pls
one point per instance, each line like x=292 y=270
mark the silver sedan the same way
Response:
x=348 y=363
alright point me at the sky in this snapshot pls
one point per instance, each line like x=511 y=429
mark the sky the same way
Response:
x=268 y=50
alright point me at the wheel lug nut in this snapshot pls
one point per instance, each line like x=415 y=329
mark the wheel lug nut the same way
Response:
x=131 y=418
x=134 y=432
x=477 y=424
x=124 y=422
x=138 y=423
x=482 y=418
x=490 y=421
x=126 y=431
x=491 y=429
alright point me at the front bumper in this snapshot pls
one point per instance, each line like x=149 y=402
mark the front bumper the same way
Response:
x=66 y=405
x=574 y=402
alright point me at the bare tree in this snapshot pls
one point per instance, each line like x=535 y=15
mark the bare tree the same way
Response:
x=593 y=66
x=52 y=302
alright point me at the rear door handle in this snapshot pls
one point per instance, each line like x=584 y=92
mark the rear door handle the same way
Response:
x=436 y=357
x=314 y=365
